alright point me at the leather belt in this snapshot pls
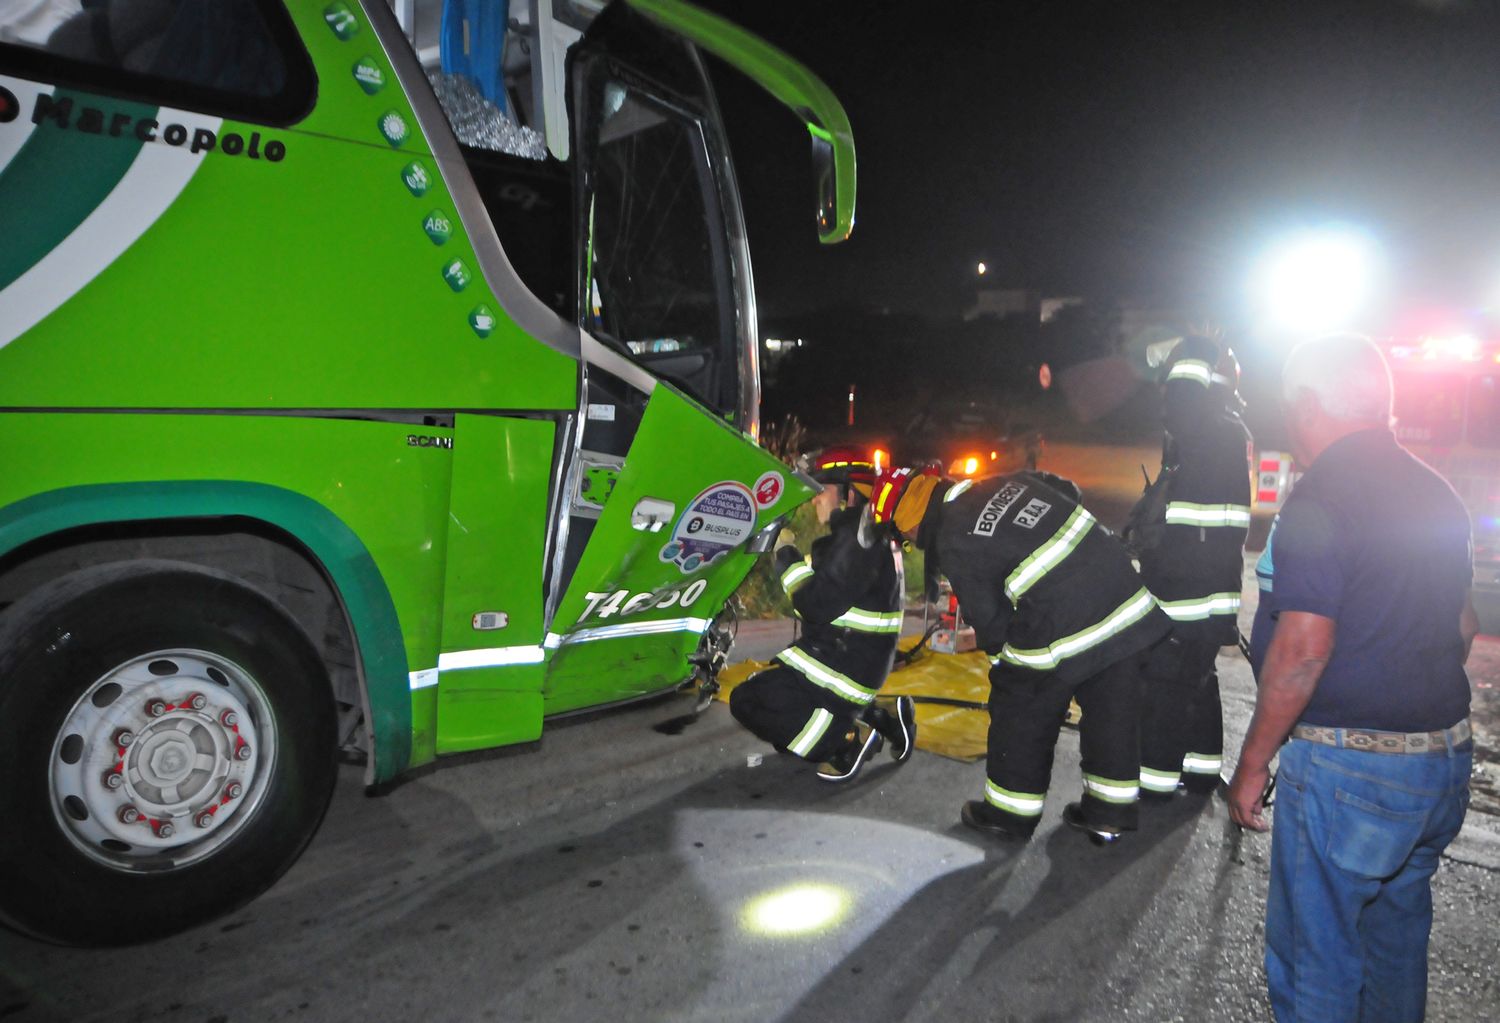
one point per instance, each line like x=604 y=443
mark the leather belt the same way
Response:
x=1371 y=741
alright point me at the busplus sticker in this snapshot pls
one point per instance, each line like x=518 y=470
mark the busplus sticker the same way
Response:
x=715 y=522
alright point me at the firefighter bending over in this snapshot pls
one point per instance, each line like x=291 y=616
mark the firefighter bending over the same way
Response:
x=1057 y=605
x=1188 y=530
x=819 y=699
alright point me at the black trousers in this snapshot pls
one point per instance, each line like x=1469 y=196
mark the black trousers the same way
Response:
x=782 y=707
x=1027 y=710
x=1182 y=724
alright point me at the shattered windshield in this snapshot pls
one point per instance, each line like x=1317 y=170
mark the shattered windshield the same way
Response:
x=657 y=271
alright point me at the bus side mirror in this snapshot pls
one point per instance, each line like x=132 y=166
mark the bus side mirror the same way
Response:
x=833 y=180
x=825 y=182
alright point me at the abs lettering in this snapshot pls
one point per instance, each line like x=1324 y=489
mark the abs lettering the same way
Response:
x=254 y=151
x=275 y=151
x=145 y=130
x=202 y=139
x=91 y=120
x=117 y=124
x=174 y=135
x=231 y=145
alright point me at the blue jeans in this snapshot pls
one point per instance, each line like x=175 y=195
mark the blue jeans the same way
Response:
x=1355 y=843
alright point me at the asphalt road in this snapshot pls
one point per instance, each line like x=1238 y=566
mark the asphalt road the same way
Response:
x=617 y=871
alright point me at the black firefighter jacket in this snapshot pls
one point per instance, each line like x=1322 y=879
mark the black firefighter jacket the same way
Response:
x=848 y=594
x=1045 y=586
x=1195 y=570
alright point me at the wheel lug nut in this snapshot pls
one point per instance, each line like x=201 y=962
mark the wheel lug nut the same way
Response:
x=243 y=753
x=229 y=719
x=113 y=779
x=234 y=790
x=129 y=815
x=197 y=701
x=165 y=830
x=156 y=708
x=204 y=819
x=124 y=737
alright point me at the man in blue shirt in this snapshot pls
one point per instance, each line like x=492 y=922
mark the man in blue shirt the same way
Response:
x=1360 y=639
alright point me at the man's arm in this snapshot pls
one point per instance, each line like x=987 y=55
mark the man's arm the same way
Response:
x=1299 y=651
x=1468 y=623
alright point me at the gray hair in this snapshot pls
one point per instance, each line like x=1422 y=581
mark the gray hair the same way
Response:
x=1345 y=372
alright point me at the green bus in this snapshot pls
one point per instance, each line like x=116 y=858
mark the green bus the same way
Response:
x=375 y=377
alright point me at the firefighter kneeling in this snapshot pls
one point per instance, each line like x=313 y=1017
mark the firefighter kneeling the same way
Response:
x=1056 y=603
x=818 y=701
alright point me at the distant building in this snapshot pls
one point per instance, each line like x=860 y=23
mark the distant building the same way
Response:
x=1133 y=320
x=1138 y=320
x=773 y=350
x=1003 y=302
x=1050 y=307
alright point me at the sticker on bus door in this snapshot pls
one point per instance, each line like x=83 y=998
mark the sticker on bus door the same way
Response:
x=714 y=523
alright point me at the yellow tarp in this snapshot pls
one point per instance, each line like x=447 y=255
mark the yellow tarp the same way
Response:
x=957 y=732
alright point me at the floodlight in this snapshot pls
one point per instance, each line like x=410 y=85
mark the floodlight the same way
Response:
x=1317 y=281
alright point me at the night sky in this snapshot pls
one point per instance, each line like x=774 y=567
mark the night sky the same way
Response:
x=1130 y=150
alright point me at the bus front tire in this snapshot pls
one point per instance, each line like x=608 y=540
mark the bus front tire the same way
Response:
x=168 y=748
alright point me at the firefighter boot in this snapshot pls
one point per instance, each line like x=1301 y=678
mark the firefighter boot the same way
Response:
x=1099 y=834
x=980 y=816
x=1202 y=784
x=898 y=725
x=864 y=742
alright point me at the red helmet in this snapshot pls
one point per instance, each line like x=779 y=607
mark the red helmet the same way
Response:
x=843 y=464
x=891 y=486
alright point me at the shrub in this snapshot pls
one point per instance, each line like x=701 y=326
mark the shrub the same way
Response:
x=761 y=595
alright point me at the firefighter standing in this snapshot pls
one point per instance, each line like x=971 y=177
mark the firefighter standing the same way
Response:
x=818 y=700
x=1056 y=603
x=1188 y=531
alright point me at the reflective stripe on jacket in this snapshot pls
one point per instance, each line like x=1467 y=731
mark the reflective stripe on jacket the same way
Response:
x=1053 y=654
x=1046 y=587
x=848 y=598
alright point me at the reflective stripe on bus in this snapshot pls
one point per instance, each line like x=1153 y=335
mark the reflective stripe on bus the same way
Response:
x=493 y=657
x=497 y=657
